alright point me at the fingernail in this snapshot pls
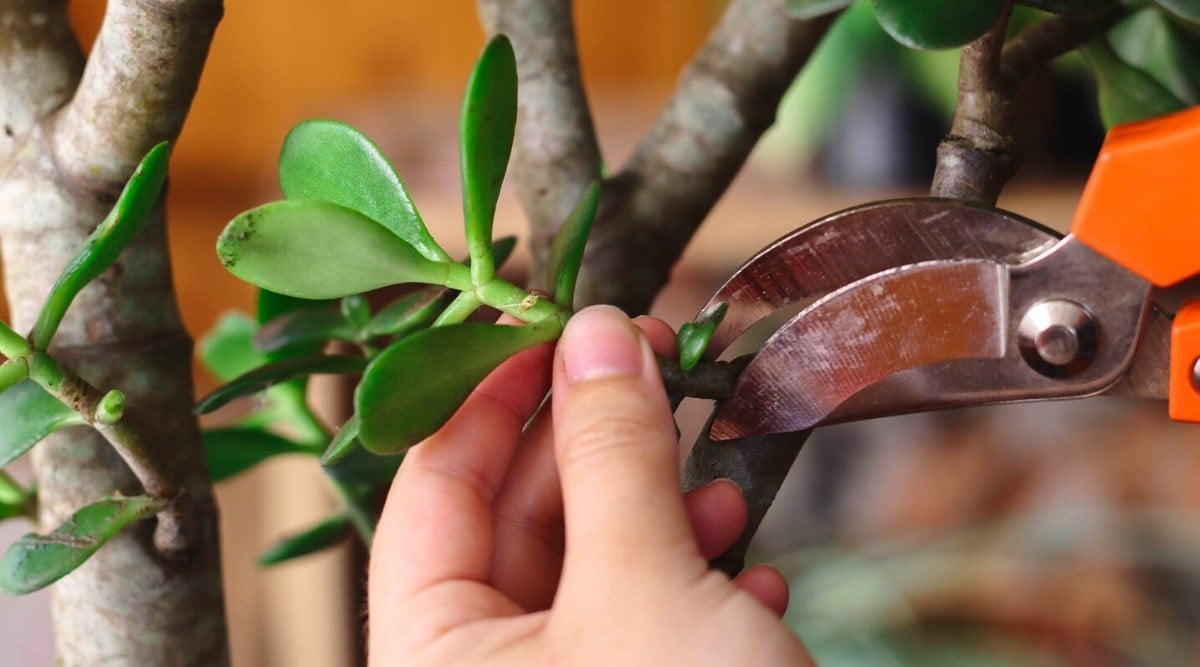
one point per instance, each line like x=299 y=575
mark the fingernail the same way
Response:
x=600 y=342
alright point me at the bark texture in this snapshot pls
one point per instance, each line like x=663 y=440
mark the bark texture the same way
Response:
x=62 y=163
x=649 y=210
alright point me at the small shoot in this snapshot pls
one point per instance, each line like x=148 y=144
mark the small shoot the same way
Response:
x=105 y=243
x=489 y=118
x=694 y=337
x=1126 y=93
x=36 y=561
x=566 y=254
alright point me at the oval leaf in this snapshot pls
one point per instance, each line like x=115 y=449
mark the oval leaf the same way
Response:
x=277 y=372
x=414 y=386
x=106 y=242
x=1077 y=7
x=811 y=9
x=410 y=312
x=29 y=414
x=936 y=24
x=307 y=330
x=566 y=253
x=317 y=250
x=346 y=461
x=334 y=162
x=329 y=533
x=489 y=118
x=1126 y=93
x=36 y=561
x=229 y=451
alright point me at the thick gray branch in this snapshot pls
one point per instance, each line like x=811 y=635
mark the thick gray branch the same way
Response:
x=726 y=99
x=137 y=88
x=556 y=155
x=129 y=604
x=40 y=62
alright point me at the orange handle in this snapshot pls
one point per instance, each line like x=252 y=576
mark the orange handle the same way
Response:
x=1141 y=209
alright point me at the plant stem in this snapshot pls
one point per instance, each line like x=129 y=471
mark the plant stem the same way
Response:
x=459 y=309
x=12 y=372
x=360 y=516
x=12 y=344
x=529 y=307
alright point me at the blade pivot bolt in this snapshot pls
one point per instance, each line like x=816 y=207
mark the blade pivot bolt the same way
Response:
x=1057 y=338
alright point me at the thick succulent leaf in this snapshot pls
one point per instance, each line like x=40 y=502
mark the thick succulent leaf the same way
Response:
x=1126 y=92
x=694 y=337
x=329 y=533
x=936 y=24
x=414 y=386
x=228 y=350
x=343 y=443
x=1187 y=11
x=809 y=9
x=566 y=253
x=29 y=414
x=229 y=451
x=1150 y=41
x=502 y=249
x=36 y=561
x=105 y=242
x=277 y=372
x=334 y=162
x=318 y=250
x=12 y=372
x=489 y=118
x=304 y=330
x=410 y=312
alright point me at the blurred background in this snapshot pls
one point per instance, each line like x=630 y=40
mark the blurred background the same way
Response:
x=1064 y=534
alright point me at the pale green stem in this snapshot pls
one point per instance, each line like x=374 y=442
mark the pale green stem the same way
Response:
x=12 y=372
x=12 y=344
x=459 y=309
x=520 y=303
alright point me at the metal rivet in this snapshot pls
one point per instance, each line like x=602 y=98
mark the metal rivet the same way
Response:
x=1057 y=338
x=1196 y=374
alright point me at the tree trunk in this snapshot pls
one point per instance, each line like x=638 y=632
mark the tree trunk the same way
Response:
x=62 y=166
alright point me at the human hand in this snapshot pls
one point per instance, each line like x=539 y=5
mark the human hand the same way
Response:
x=469 y=567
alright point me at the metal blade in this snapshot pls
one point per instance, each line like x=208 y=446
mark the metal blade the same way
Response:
x=850 y=245
x=895 y=320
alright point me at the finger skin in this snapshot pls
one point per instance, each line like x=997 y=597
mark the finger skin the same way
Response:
x=529 y=516
x=617 y=454
x=436 y=525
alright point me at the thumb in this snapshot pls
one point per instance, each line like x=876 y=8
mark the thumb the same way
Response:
x=616 y=450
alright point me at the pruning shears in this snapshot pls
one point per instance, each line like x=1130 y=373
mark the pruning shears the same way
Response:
x=921 y=304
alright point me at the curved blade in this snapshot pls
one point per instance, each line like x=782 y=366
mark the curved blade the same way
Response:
x=850 y=245
x=895 y=320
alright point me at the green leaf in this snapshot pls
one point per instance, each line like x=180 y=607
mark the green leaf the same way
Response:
x=270 y=305
x=566 y=254
x=228 y=350
x=346 y=461
x=334 y=162
x=410 y=312
x=12 y=372
x=229 y=451
x=694 y=337
x=106 y=242
x=417 y=384
x=1126 y=93
x=936 y=24
x=307 y=330
x=811 y=9
x=1072 y=7
x=36 y=561
x=489 y=118
x=29 y=414
x=1187 y=11
x=329 y=533
x=317 y=250
x=1150 y=41
x=502 y=249
x=277 y=372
